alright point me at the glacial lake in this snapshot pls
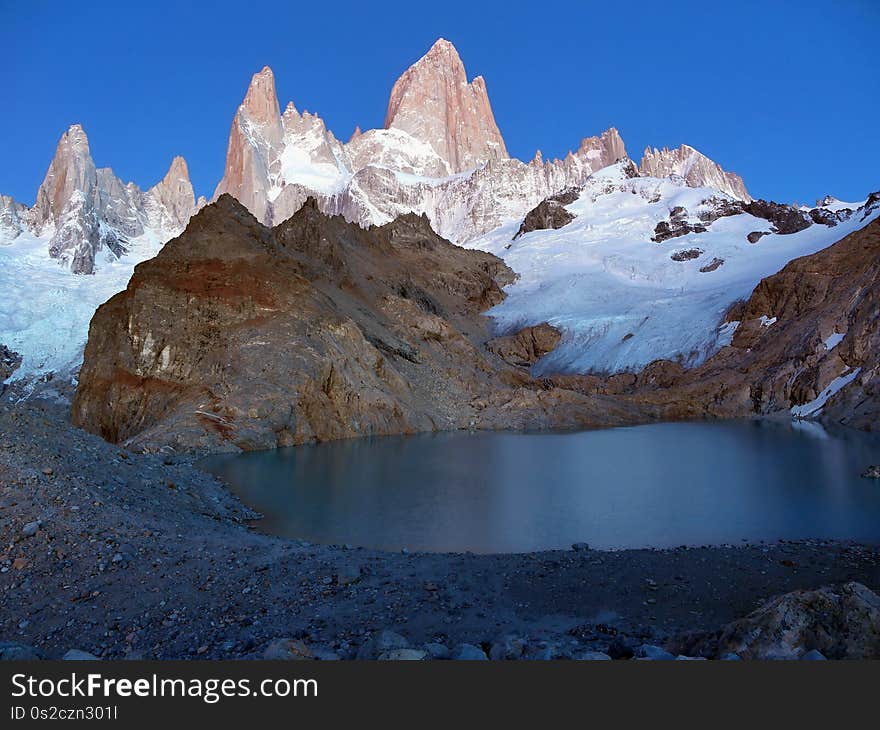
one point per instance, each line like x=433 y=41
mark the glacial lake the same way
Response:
x=658 y=485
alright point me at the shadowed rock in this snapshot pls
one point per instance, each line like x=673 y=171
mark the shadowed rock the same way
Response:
x=527 y=346
x=550 y=213
x=9 y=362
x=841 y=623
x=238 y=336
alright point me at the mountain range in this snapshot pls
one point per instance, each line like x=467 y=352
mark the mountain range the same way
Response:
x=440 y=153
x=629 y=262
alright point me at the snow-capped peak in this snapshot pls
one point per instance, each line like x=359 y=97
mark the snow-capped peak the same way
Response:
x=694 y=167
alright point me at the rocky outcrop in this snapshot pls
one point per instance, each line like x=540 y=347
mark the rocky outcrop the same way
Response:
x=784 y=218
x=9 y=362
x=434 y=103
x=694 y=167
x=526 y=347
x=840 y=622
x=550 y=213
x=688 y=254
x=241 y=336
x=677 y=225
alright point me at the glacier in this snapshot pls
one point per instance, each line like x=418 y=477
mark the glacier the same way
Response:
x=619 y=298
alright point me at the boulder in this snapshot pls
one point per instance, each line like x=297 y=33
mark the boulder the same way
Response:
x=838 y=622
x=287 y=650
x=382 y=642
x=403 y=655
x=526 y=347
x=468 y=652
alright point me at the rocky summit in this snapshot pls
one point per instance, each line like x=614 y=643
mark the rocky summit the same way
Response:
x=434 y=103
x=238 y=336
x=85 y=211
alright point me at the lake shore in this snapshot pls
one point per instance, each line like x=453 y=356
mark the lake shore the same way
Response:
x=147 y=556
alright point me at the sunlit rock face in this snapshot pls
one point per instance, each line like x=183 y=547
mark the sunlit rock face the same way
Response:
x=433 y=102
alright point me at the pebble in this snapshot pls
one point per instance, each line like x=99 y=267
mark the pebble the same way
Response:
x=12 y=651
x=31 y=528
x=325 y=655
x=403 y=655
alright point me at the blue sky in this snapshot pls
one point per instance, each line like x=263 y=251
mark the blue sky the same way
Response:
x=784 y=93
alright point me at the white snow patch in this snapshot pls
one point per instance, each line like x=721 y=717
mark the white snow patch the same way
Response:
x=767 y=321
x=833 y=340
x=814 y=406
x=322 y=177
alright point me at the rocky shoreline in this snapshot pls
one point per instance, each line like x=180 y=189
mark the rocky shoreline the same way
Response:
x=126 y=555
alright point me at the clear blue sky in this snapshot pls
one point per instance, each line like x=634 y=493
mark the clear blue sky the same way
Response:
x=785 y=93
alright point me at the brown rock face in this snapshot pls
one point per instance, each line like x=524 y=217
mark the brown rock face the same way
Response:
x=241 y=336
x=527 y=346
x=842 y=623
x=434 y=102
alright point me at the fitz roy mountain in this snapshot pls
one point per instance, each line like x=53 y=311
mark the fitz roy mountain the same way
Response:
x=440 y=153
x=611 y=264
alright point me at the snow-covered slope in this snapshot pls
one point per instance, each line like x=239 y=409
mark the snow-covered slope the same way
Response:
x=46 y=309
x=75 y=248
x=621 y=299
